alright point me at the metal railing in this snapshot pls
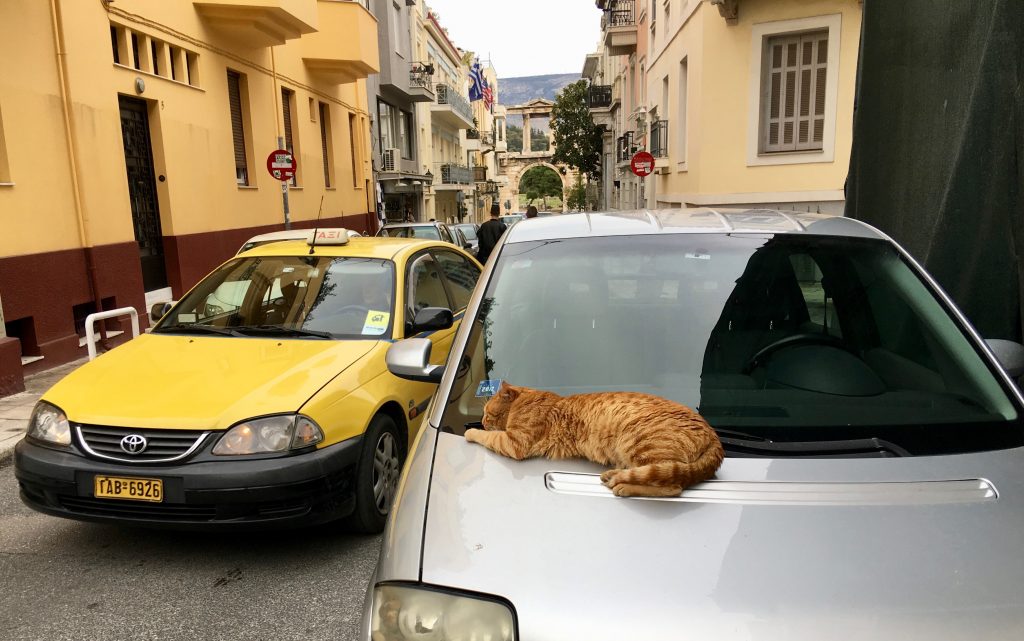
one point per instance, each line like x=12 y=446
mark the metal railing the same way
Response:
x=456 y=174
x=90 y=325
x=447 y=95
x=624 y=147
x=421 y=75
x=480 y=174
x=659 y=139
x=600 y=96
x=620 y=13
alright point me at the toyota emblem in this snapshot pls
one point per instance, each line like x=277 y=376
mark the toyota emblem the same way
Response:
x=134 y=444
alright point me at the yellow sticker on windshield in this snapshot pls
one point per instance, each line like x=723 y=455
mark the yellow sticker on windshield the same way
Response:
x=376 y=323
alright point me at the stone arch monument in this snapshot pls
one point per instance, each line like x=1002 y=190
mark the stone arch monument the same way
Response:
x=514 y=164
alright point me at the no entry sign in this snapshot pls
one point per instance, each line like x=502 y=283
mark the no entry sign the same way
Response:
x=642 y=164
x=281 y=164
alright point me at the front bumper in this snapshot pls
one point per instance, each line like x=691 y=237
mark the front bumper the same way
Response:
x=287 y=491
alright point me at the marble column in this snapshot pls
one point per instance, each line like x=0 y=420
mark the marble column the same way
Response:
x=526 y=134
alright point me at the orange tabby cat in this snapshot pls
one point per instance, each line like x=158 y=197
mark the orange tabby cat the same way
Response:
x=658 y=447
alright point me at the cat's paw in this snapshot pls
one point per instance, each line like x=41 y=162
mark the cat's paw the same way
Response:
x=609 y=478
x=471 y=435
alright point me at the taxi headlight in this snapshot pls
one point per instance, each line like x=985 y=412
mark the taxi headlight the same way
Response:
x=268 y=435
x=404 y=613
x=49 y=425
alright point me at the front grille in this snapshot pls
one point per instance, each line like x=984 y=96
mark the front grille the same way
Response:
x=139 y=510
x=161 y=445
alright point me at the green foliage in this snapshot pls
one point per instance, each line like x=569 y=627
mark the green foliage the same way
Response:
x=514 y=136
x=540 y=182
x=577 y=197
x=577 y=140
x=538 y=140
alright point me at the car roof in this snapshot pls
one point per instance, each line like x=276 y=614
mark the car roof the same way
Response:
x=687 y=221
x=363 y=247
x=427 y=224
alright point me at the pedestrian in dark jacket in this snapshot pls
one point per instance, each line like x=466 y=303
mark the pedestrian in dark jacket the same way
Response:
x=489 y=234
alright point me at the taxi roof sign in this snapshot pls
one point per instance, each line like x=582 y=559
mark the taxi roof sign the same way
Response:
x=329 y=236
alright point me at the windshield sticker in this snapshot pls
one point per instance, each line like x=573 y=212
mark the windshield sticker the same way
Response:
x=488 y=388
x=186 y=318
x=376 y=323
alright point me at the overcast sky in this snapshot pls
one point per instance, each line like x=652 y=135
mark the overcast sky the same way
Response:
x=523 y=37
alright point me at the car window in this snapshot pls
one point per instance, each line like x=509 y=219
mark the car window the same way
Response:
x=428 y=232
x=787 y=338
x=425 y=286
x=461 y=275
x=468 y=231
x=446 y=235
x=342 y=297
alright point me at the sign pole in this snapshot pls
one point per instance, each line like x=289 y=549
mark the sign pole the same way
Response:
x=284 y=192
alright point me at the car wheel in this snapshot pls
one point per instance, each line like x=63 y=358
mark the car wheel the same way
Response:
x=380 y=464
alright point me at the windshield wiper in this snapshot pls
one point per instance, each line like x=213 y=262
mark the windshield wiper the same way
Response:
x=277 y=330
x=196 y=328
x=742 y=444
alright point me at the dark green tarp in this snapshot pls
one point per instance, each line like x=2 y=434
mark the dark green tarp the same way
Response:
x=938 y=146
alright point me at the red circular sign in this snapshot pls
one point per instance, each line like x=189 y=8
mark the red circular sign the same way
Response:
x=281 y=164
x=642 y=164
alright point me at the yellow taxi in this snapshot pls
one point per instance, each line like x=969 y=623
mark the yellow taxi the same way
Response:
x=261 y=398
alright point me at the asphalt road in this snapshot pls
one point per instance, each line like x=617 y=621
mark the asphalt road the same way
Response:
x=63 y=579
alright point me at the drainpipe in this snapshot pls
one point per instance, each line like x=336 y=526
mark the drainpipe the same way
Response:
x=57 y=20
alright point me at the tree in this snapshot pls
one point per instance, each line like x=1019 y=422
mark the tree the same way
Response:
x=577 y=198
x=540 y=182
x=538 y=140
x=577 y=139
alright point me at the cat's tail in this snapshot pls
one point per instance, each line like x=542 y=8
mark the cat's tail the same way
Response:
x=676 y=473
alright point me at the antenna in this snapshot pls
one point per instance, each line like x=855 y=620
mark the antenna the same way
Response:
x=312 y=245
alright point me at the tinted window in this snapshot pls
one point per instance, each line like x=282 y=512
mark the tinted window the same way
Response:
x=461 y=275
x=468 y=231
x=788 y=338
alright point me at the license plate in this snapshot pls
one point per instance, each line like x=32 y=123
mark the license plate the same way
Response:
x=132 y=489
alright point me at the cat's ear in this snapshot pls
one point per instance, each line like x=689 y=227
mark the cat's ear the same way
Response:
x=508 y=391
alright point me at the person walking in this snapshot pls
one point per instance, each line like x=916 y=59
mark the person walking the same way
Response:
x=489 y=234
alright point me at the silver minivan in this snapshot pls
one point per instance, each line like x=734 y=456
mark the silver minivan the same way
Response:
x=874 y=480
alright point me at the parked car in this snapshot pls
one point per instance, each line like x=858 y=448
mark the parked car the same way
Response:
x=874 y=461
x=431 y=231
x=509 y=219
x=277 y=236
x=261 y=398
x=469 y=231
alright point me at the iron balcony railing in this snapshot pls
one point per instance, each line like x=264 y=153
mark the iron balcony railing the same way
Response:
x=446 y=95
x=624 y=147
x=421 y=74
x=620 y=13
x=472 y=134
x=659 y=139
x=456 y=174
x=480 y=174
x=600 y=96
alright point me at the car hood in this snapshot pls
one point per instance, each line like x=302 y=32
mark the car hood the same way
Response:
x=200 y=382
x=773 y=549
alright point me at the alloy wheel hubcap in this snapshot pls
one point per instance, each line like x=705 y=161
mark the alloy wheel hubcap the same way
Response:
x=385 y=472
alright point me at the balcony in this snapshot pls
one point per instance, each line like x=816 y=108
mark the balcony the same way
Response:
x=618 y=25
x=659 y=139
x=455 y=175
x=421 y=82
x=451 y=109
x=344 y=49
x=260 y=23
x=600 y=96
x=480 y=174
x=624 y=148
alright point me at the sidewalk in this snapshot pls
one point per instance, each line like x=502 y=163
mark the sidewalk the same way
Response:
x=16 y=410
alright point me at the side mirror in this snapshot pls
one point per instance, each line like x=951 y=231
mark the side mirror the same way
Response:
x=158 y=310
x=410 y=359
x=1009 y=354
x=432 y=319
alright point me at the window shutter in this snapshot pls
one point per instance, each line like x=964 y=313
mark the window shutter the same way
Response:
x=794 y=79
x=286 y=108
x=323 y=141
x=237 y=129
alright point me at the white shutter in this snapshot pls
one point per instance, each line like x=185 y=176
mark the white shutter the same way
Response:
x=793 y=92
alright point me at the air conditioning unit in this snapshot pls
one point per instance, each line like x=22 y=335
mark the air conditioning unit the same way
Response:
x=391 y=159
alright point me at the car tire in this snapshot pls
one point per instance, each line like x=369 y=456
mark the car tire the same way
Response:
x=380 y=464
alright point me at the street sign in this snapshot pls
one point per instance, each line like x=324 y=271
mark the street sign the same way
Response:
x=642 y=164
x=281 y=165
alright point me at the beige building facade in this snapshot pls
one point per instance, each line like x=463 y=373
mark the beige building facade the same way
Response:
x=743 y=103
x=134 y=138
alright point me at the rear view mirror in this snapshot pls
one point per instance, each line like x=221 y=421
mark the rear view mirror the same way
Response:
x=1009 y=354
x=158 y=310
x=410 y=359
x=432 y=319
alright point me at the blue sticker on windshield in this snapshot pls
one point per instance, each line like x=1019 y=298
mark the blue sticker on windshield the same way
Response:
x=488 y=388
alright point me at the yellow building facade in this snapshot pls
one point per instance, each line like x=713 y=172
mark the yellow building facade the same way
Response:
x=134 y=139
x=743 y=103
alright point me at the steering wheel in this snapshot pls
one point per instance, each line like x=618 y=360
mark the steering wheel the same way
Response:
x=793 y=340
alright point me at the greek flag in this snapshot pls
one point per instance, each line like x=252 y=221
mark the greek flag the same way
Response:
x=476 y=75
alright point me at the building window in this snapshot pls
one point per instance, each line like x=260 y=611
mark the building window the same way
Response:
x=793 y=92
x=113 y=44
x=325 y=143
x=288 y=109
x=155 y=54
x=238 y=127
x=353 y=141
x=135 y=51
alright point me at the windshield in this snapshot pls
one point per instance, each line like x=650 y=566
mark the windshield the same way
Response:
x=786 y=338
x=426 y=231
x=468 y=230
x=292 y=296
